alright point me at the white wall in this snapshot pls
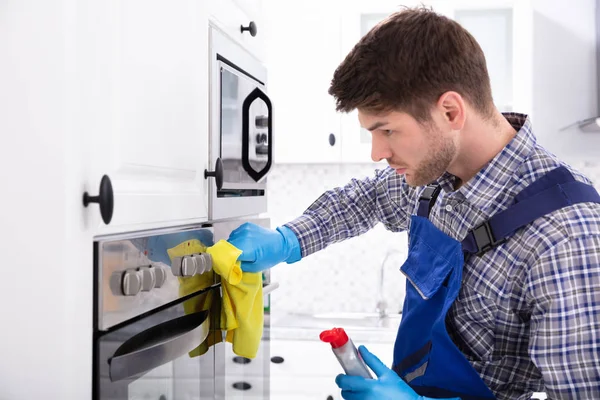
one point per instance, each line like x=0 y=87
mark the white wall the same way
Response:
x=565 y=88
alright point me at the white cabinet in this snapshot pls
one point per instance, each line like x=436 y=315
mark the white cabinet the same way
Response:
x=501 y=27
x=492 y=23
x=310 y=367
x=540 y=58
x=42 y=185
x=245 y=378
x=358 y=18
x=235 y=17
x=252 y=8
x=303 y=50
x=142 y=102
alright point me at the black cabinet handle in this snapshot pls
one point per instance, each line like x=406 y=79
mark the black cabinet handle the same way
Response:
x=250 y=28
x=331 y=139
x=105 y=199
x=242 y=386
x=217 y=174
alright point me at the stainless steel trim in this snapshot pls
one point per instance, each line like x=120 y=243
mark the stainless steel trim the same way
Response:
x=269 y=288
x=149 y=232
x=159 y=345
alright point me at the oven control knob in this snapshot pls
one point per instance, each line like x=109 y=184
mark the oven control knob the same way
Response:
x=188 y=266
x=148 y=278
x=161 y=275
x=176 y=266
x=183 y=266
x=131 y=282
x=203 y=263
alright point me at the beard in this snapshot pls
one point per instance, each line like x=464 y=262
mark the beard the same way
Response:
x=442 y=151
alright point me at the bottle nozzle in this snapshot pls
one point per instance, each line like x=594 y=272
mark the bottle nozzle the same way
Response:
x=337 y=337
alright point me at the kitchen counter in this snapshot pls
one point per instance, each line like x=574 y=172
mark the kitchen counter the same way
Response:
x=361 y=327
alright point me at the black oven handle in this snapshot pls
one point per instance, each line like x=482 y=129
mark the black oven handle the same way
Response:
x=254 y=95
x=158 y=345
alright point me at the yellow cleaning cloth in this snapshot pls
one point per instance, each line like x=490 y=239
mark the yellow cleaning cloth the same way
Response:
x=192 y=284
x=242 y=309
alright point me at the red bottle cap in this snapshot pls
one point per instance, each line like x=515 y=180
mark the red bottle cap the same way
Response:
x=336 y=336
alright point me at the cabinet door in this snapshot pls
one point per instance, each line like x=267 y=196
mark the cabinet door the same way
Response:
x=498 y=27
x=232 y=16
x=492 y=25
x=252 y=8
x=303 y=51
x=144 y=87
x=358 y=19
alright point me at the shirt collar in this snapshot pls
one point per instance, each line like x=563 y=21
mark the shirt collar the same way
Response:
x=482 y=190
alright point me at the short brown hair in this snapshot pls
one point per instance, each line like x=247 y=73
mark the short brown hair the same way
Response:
x=407 y=62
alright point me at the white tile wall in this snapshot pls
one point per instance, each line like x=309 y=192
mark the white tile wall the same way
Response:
x=344 y=277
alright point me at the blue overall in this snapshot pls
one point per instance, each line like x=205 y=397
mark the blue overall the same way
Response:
x=424 y=354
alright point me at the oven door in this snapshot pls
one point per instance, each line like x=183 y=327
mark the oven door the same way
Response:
x=167 y=355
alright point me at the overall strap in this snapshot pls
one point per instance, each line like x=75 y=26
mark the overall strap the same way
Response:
x=553 y=191
x=427 y=200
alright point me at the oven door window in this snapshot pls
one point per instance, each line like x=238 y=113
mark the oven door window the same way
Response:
x=164 y=356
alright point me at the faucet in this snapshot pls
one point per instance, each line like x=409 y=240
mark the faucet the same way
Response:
x=381 y=307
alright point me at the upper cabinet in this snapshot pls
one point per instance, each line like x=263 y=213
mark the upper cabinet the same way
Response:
x=243 y=20
x=303 y=50
x=490 y=22
x=540 y=57
x=142 y=76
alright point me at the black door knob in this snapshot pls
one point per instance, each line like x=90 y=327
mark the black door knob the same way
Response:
x=331 y=139
x=105 y=199
x=217 y=174
x=250 y=28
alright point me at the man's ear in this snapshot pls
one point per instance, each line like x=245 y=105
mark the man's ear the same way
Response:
x=451 y=106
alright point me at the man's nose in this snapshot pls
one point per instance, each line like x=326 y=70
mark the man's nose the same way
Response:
x=380 y=149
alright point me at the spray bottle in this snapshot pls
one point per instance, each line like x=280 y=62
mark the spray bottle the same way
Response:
x=346 y=352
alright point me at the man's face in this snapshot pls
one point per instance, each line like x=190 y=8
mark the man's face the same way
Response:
x=422 y=153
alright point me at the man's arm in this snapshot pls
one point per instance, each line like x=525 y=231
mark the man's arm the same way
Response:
x=352 y=210
x=565 y=322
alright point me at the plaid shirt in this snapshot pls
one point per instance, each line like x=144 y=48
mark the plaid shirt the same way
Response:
x=528 y=313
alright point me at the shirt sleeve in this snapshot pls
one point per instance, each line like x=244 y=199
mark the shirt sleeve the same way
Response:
x=353 y=209
x=565 y=322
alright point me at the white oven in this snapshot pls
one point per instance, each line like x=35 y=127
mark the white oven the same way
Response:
x=241 y=130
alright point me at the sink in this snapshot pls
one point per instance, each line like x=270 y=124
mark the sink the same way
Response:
x=351 y=321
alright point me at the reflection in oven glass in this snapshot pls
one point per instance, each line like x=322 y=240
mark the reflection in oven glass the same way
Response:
x=168 y=355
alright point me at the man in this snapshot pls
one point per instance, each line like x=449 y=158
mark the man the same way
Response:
x=503 y=271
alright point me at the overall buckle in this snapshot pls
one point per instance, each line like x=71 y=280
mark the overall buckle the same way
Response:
x=484 y=238
x=430 y=194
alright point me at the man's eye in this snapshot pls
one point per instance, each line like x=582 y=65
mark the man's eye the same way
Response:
x=388 y=132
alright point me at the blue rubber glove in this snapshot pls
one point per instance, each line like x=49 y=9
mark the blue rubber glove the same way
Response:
x=388 y=385
x=262 y=248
